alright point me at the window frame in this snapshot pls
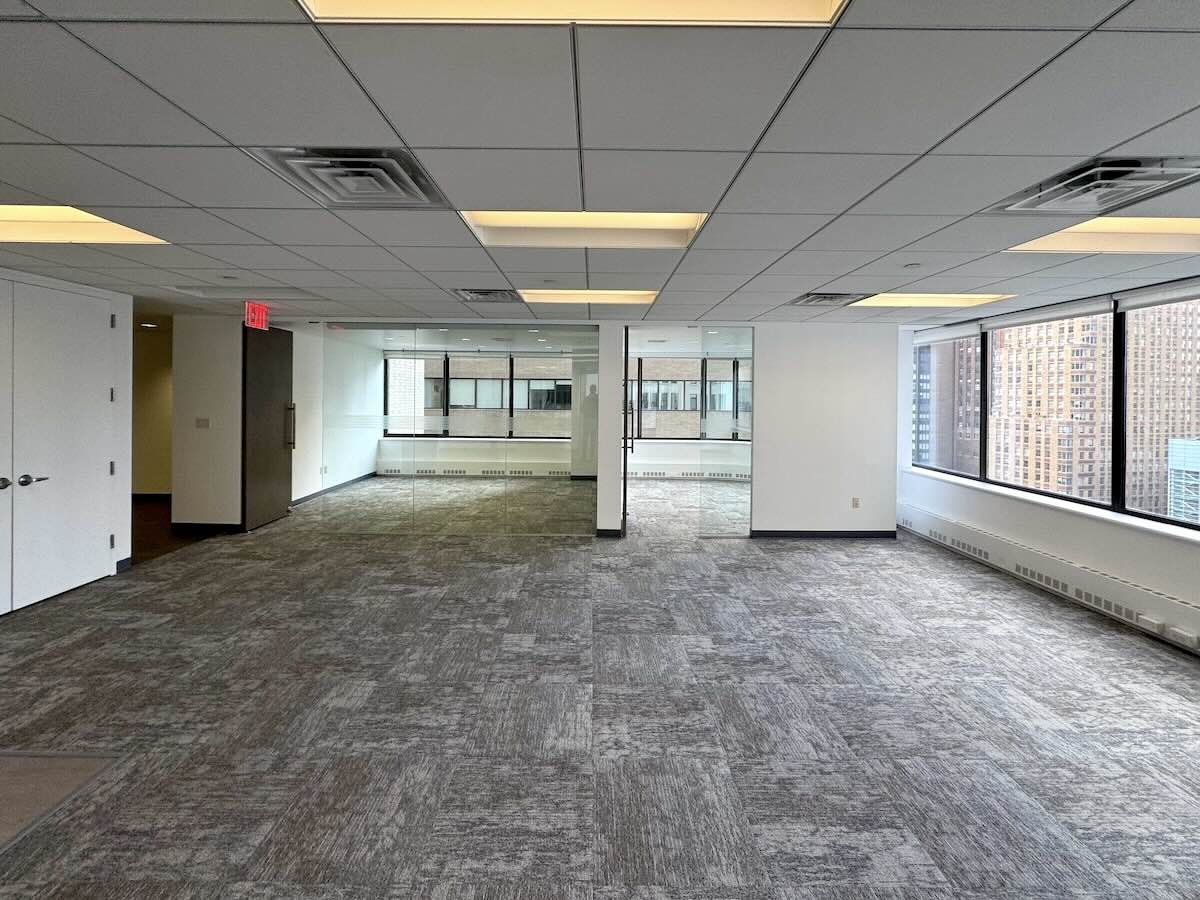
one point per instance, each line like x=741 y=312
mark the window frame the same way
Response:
x=702 y=396
x=1118 y=446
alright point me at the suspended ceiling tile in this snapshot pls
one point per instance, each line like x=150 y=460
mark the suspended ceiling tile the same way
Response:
x=808 y=182
x=506 y=179
x=411 y=228
x=656 y=180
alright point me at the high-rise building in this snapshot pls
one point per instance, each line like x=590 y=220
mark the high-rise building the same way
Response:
x=1183 y=480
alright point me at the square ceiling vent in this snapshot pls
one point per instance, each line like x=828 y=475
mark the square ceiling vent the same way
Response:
x=468 y=295
x=827 y=301
x=341 y=178
x=1103 y=185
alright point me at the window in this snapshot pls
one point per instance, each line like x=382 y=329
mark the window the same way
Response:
x=542 y=397
x=478 y=404
x=1162 y=411
x=462 y=393
x=414 y=396
x=670 y=406
x=945 y=433
x=1035 y=405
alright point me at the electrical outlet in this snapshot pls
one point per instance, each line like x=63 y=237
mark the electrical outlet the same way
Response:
x=855 y=502
x=202 y=423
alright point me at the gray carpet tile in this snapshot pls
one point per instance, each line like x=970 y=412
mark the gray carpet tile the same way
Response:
x=346 y=705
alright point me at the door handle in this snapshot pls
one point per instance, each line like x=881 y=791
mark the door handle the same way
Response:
x=5 y=483
x=27 y=480
x=289 y=426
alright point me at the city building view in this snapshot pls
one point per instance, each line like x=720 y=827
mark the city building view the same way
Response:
x=1050 y=405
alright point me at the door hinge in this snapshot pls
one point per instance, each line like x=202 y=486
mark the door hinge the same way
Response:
x=112 y=395
x=112 y=320
x=112 y=467
x=112 y=542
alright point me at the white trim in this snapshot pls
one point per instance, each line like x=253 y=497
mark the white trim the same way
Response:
x=1160 y=529
x=1172 y=292
x=946 y=333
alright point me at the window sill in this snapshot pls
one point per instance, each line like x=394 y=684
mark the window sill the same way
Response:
x=1161 y=529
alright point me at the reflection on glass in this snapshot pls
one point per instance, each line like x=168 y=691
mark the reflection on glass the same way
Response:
x=946 y=405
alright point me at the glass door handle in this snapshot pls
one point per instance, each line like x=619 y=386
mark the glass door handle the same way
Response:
x=27 y=480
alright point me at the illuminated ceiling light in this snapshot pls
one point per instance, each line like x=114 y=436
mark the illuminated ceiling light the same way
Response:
x=64 y=225
x=638 y=298
x=1120 y=234
x=931 y=300
x=598 y=230
x=812 y=13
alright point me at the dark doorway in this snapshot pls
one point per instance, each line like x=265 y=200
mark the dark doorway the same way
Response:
x=268 y=426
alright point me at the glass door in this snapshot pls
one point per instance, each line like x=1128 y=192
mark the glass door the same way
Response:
x=724 y=486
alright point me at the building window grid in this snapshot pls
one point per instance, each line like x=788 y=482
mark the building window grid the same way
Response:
x=1165 y=396
x=733 y=395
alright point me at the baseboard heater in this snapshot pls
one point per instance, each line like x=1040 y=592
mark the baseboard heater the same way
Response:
x=1171 y=618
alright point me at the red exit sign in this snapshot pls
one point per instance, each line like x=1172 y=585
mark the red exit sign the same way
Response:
x=257 y=315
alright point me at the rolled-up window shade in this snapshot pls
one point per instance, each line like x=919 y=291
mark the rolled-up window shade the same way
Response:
x=1158 y=294
x=1092 y=306
x=946 y=333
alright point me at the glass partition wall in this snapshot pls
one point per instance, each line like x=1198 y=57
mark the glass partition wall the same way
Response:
x=688 y=409
x=471 y=429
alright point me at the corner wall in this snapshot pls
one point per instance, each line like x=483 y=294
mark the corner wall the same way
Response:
x=824 y=428
x=308 y=389
x=352 y=409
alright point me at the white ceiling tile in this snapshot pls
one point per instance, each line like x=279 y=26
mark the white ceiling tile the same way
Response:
x=560 y=311
x=10 y=194
x=257 y=85
x=663 y=261
x=178 y=225
x=727 y=283
x=351 y=257
x=1101 y=92
x=761 y=298
x=706 y=299
x=949 y=283
x=808 y=182
x=1184 y=201
x=306 y=278
x=356 y=295
x=257 y=256
x=519 y=259
x=629 y=281
x=880 y=233
x=167 y=256
x=1104 y=264
x=411 y=228
x=415 y=297
x=14 y=133
x=994 y=232
x=752 y=231
x=297 y=226
x=723 y=262
x=501 y=310
x=658 y=313
x=793 y=284
x=915 y=264
x=1179 y=268
x=1167 y=15
x=864 y=284
x=1028 y=283
x=656 y=180
x=205 y=176
x=960 y=185
x=67 y=254
x=903 y=91
x=1010 y=265
x=177 y=10
x=16 y=8
x=66 y=176
x=978 y=13
x=446 y=259
x=685 y=88
x=506 y=179
x=12 y=260
x=821 y=262
x=523 y=281
x=469 y=280
x=392 y=279
x=1179 y=137
x=617 y=311
x=56 y=84
x=227 y=277
x=478 y=86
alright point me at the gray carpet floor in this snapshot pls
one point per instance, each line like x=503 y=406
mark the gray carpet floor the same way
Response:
x=306 y=714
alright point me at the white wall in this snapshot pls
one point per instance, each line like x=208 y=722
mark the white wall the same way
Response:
x=352 y=409
x=824 y=428
x=609 y=452
x=308 y=387
x=206 y=456
x=151 y=411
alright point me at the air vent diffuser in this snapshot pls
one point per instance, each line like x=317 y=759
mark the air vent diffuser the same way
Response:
x=1103 y=185
x=828 y=301
x=468 y=295
x=342 y=178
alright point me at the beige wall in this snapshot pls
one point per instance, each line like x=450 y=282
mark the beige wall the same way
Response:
x=152 y=411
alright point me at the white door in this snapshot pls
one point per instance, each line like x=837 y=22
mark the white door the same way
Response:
x=62 y=421
x=6 y=423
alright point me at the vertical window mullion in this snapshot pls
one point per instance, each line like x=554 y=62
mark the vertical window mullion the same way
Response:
x=703 y=396
x=446 y=395
x=512 y=398
x=638 y=399
x=1118 y=465
x=985 y=398
x=733 y=432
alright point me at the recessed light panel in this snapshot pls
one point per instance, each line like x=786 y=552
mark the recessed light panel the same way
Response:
x=598 y=230
x=1121 y=234
x=64 y=225
x=931 y=300
x=633 y=298
x=593 y=12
